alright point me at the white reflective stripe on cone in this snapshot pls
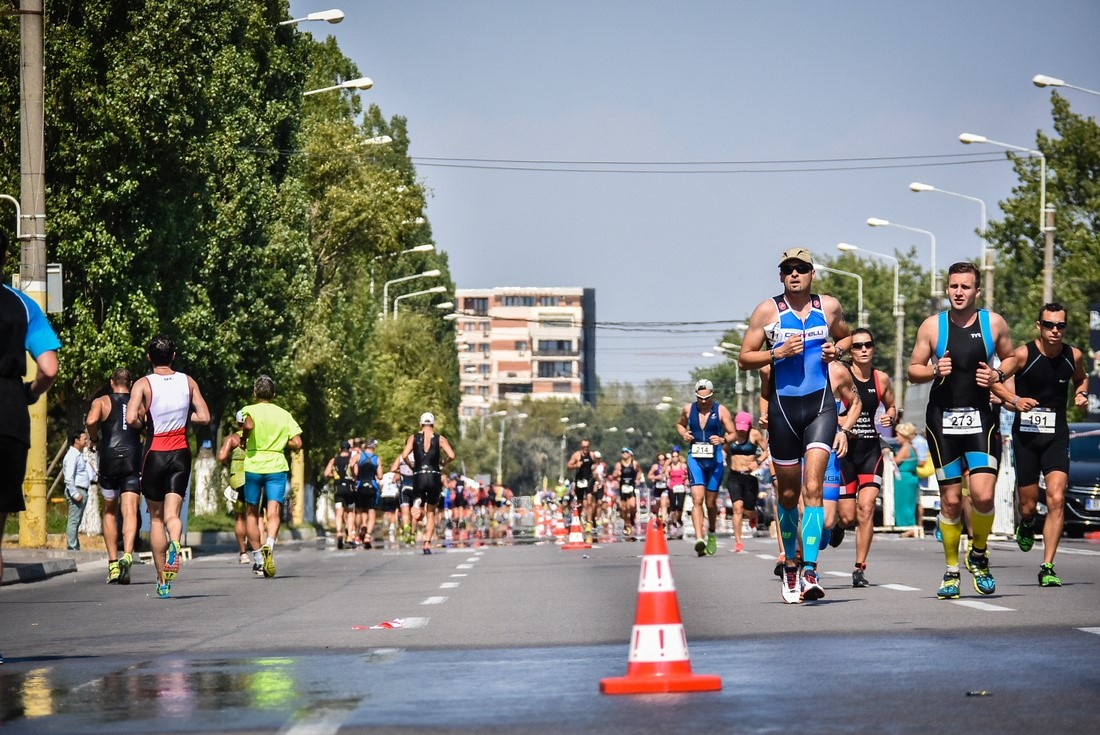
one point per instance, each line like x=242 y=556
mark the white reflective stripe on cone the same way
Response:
x=658 y=643
x=656 y=574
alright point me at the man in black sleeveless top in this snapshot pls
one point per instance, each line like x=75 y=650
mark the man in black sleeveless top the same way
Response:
x=427 y=453
x=1044 y=369
x=119 y=448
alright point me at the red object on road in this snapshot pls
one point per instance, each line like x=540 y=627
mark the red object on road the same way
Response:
x=659 y=661
x=576 y=535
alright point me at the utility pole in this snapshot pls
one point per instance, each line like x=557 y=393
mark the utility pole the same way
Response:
x=1048 y=255
x=32 y=266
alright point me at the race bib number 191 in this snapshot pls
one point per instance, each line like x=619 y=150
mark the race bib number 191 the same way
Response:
x=1037 y=421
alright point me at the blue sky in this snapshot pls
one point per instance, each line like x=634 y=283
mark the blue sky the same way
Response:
x=674 y=83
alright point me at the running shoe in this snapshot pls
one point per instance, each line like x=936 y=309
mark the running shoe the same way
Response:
x=858 y=580
x=966 y=560
x=837 y=536
x=779 y=564
x=172 y=561
x=269 y=561
x=245 y=558
x=712 y=544
x=701 y=547
x=811 y=588
x=427 y=551
x=124 y=563
x=340 y=542
x=367 y=546
x=164 y=591
x=628 y=531
x=791 y=594
x=112 y=572
x=1025 y=536
x=257 y=569
x=1047 y=577
x=949 y=590
x=983 y=580
x=738 y=547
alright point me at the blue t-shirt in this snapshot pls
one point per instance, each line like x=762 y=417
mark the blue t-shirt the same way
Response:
x=23 y=328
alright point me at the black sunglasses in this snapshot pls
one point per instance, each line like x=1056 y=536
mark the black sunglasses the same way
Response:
x=862 y=345
x=803 y=268
x=1060 y=326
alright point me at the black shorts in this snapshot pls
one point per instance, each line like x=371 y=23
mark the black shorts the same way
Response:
x=165 y=473
x=460 y=499
x=128 y=483
x=1039 y=454
x=676 y=501
x=862 y=466
x=388 y=505
x=428 y=487
x=366 y=497
x=797 y=423
x=13 y=469
x=408 y=492
x=978 y=450
x=744 y=486
x=659 y=490
x=345 y=493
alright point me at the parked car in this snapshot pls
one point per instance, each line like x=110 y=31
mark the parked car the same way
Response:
x=1083 y=489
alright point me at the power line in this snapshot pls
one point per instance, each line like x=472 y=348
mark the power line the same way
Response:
x=814 y=169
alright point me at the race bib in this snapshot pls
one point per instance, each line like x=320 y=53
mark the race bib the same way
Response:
x=582 y=484
x=961 y=422
x=389 y=490
x=660 y=485
x=679 y=489
x=1037 y=421
x=702 y=450
x=626 y=489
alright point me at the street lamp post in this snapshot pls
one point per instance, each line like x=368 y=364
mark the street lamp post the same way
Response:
x=1042 y=80
x=935 y=292
x=1046 y=218
x=332 y=16
x=386 y=286
x=504 y=417
x=861 y=317
x=433 y=289
x=418 y=249
x=987 y=254
x=899 y=320
x=363 y=83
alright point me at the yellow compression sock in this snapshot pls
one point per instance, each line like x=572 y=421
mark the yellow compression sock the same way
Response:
x=983 y=526
x=951 y=531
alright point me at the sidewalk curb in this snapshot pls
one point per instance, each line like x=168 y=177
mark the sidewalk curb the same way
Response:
x=32 y=571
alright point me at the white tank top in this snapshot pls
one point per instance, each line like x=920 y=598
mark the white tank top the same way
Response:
x=169 y=411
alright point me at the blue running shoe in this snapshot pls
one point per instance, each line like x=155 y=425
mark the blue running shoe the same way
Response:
x=172 y=561
x=164 y=591
x=983 y=580
x=949 y=590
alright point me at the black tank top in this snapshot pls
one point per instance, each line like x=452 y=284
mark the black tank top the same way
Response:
x=340 y=470
x=584 y=472
x=425 y=459
x=869 y=402
x=119 y=444
x=1046 y=379
x=628 y=474
x=966 y=347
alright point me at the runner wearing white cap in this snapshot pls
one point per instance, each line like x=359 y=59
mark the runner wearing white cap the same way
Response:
x=429 y=453
x=707 y=427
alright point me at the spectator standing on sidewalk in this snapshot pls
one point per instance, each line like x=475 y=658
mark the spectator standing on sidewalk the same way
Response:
x=79 y=475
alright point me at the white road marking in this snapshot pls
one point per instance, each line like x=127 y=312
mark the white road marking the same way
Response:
x=325 y=722
x=1094 y=631
x=465 y=566
x=473 y=558
x=448 y=585
x=434 y=601
x=460 y=575
x=837 y=574
x=416 y=622
x=899 y=587
x=983 y=606
x=769 y=557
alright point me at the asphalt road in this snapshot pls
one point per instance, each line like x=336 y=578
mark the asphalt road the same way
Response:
x=516 y=639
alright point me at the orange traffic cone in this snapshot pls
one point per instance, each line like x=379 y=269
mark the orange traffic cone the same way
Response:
x=576 y=535
x=559 y=527
x=658 y=661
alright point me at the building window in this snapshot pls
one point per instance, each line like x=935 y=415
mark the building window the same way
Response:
x=555 y=369
x=555 y=347
x=469 y=368
x=517 y=300
x=563 y=387
x=483 y=348
x=478 y=305
x=549 y=300
x=483 y=369
x=484 y=391
x=514 y=388
x=521 y=346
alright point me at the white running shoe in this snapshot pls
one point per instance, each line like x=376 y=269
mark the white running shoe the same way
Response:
x=811 y=587
x=791 y=589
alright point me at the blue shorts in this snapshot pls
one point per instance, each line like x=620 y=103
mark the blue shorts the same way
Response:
x=830 y=490
x=707 y=473
x=273 y=484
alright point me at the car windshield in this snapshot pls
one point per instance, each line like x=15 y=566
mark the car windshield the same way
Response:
x=1085 y=446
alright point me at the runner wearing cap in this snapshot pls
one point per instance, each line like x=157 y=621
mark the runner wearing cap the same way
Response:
x=747 y=451
x=706 y=426
x=339 y=468
x=628 y=473
x=368 y=473
x=583 y=463
x=428 y=453
x=791 y=332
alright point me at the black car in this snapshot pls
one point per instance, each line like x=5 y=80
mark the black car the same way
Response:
x=1083 y=490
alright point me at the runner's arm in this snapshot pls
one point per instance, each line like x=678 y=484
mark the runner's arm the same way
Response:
x=201 y=413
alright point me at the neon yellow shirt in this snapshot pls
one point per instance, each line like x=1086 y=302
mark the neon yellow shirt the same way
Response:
x=274 y=427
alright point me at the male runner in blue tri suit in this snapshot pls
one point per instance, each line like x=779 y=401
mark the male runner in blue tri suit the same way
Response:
x=802 y=420
x=953 y=351
x=707 y=427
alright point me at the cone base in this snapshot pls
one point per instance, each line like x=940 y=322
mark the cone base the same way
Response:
x=661 y=684
x=575 y=545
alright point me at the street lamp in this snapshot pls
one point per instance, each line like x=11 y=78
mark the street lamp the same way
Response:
x=899 y=318
x=504 y=417
x=1046 y=218
x=987 y=259
x=446 y=305
x=386 y=286
x=876 y=222
x=418 y=249
x=18 y=216
x=378 y=140
x=1042 y=80
x=359 y=83
x=433 y=289
x=332 y=16
x=861 y=317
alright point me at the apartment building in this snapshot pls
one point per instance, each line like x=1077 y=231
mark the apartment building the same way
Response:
x=521 y=341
